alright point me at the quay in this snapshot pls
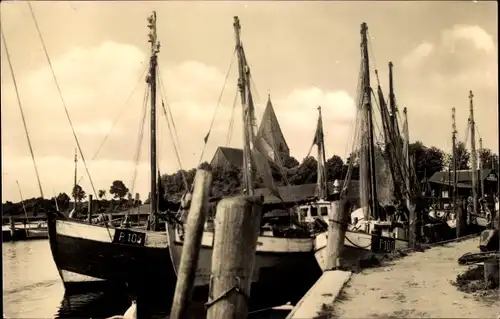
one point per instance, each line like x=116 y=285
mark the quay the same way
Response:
x=418 y=285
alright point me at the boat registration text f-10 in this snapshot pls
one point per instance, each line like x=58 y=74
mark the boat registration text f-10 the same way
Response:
x=129 y=237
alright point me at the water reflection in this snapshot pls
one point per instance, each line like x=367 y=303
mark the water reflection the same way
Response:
x=32 y=289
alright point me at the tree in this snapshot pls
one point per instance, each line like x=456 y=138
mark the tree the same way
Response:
x=118 y=189
x=289 y=162
x=101 y=193
x=487 y=158
x=226 y=180
x=306 y=173
x=206 y=166
x=63 y=201
x=428 y=160
x=334 y=168
x=78 y=193
x=463 y=156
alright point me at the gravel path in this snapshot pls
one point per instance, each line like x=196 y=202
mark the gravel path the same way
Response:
x=416 y=286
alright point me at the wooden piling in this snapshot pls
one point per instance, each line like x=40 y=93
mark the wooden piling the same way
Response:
x=237 y=223
x=192 y=244
x=12 y=225
x=461 y=218
x=337 y=224
x=89 y=215
x=491 y=272
x=413 y=223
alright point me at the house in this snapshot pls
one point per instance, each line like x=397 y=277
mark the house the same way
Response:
x=441 y=182
x=271 y=132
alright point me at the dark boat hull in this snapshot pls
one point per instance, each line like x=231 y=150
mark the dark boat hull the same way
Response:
x=88 y=257
x=284 y=268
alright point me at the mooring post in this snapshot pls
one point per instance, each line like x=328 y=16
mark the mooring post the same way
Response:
x=337 y=225
x=192 y=244
x=89 y=215
x=12 y=226
x=461 y=218
x=414 y=224
x=237 y=223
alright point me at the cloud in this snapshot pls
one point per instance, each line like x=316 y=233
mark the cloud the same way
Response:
x=464 y=55
x=463 y=58
x=418 y=54
x=96 y=81
x=298 y=116
x=475 y=34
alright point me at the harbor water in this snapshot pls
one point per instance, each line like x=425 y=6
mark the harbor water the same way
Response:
x=32 y=289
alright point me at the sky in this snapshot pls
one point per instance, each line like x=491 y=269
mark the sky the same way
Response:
x=303 y=54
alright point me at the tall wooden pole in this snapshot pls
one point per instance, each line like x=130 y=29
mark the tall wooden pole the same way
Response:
x=481 y=177
x=412 y=207
x=454 y=159
x=473 y=153
x=243 y=87
x=367 y=110
x=392 y=99
x=192 y=244
x=74 y=183
x=153 y=64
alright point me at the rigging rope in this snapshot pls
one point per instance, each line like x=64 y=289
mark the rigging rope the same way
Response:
x=122 y=110
x=173 y=133
x=22 y=115
x=216 y=108
x=62 y=99
x=140 y=138
x=164 y=94
x=231 y=122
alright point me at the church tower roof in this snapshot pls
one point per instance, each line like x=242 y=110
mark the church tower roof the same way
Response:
x=271 y=130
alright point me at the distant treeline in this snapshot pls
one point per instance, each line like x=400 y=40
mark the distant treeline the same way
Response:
x=226 y=180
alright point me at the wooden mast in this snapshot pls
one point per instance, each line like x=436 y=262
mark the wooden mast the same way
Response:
x=367 y=108
x=481 y=177
x=392 y=102
x=454 y=159
x=407 y=159
x=75 y=181
x=151 y=79
x=244 y=73
x=473 y=153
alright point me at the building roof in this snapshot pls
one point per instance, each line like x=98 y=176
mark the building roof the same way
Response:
x=233 y=156
x=270 y=129
x=463 y=176
x=301 y=193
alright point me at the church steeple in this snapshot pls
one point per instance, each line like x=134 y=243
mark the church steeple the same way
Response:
x=270 y=129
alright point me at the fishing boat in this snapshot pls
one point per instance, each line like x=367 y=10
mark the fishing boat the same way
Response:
x=96 y=252
x=281 y=262
x=372 y=227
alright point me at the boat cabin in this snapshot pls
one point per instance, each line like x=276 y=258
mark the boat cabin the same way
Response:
x=309 y=212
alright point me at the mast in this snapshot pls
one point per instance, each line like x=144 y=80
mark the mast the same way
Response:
x=392 y=102
x=243 y=87
x=473 y=152
x=454 y=159
x=75 y=181
x=321 y=180
x=367 y=108
x=151 y=79
x=407 y=156
x=481 y=178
